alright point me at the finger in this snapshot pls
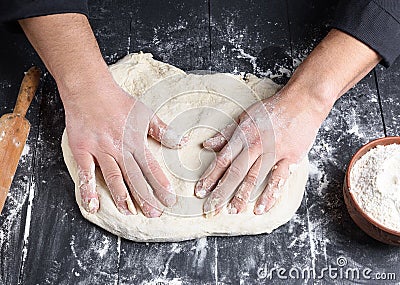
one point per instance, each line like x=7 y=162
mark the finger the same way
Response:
x=251 y=182
x=115 y=183
x=166 y=135
x=278 y=176
x=219 y=140
x=139 y=188
x=87 y=182
x=228 y=184
x=267 y=163
x=242 y=196
x=158 y=181
x=217 y=168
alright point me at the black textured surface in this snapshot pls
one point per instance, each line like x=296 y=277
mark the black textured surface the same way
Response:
x=263 y=37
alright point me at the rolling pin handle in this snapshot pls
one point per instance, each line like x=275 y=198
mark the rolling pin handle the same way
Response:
x=27 y=90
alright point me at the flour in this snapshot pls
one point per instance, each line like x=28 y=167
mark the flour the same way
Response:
x=375 y=184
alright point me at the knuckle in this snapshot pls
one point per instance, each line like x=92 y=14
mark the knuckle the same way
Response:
x=151 y=162
x=238 y=203
x=217 y=197
x=84 y=174
x=120 y=199
x=251 y=178
x=112 y=177
x=237 y=200
x=105 y=142
x=255 y=145
x=242 y=197
x=265 y=196
x=235 y=170
x=154 y=167
x=222 y=161
x=80 y=148
x=276 y=179
x=133 y=176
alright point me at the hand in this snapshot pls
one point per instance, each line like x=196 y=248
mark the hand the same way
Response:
x=271 y=135
x=97 y=112
x=295 y=115
x=108 y=127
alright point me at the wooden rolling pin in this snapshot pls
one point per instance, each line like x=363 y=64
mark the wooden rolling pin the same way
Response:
x=14 y=130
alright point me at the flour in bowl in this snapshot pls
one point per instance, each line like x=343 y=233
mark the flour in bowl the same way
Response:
x=375 y=184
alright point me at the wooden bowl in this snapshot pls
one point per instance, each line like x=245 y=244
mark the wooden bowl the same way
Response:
x=370 y=226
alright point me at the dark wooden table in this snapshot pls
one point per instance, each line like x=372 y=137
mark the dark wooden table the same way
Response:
x=45 y=240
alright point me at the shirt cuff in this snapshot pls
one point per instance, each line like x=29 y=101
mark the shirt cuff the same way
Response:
x=16 y=10
x=371 y=24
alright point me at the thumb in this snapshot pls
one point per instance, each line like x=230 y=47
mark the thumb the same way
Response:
x=166 y=135
x=87 y=181
x=220 y=139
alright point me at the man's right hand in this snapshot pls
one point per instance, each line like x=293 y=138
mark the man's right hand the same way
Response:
x=108 y=127
x=104 y=124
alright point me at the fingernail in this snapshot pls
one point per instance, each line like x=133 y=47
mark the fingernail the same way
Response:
x=124 y=211
x=232 y=209
x=93 y=205
x=154 y=213
x=172 y=139
x=184 y=140
x=208 y=214
x=207 y=143
x=213 y=142
x=201 y=193
x=170 y=189
x=170 y=200
x=207 y=209
x=211 y=207
x=260 y=209
x=131 y=206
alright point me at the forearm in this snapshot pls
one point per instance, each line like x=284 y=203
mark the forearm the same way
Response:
x=67 y=46
x=332 y=68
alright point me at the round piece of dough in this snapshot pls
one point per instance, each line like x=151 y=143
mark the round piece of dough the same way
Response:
x=201 y=105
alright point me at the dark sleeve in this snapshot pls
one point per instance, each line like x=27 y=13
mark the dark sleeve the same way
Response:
x=374 y=22
x=11 y=10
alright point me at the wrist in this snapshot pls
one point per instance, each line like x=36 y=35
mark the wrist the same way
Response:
x=88 y=81
x=68 y=48
x=316 y=97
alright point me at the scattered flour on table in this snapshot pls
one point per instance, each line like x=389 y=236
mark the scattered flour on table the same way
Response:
x=375 y=184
